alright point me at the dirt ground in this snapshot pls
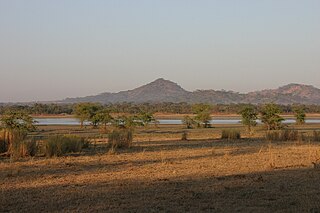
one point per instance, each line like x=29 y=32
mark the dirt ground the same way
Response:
x=169 y=176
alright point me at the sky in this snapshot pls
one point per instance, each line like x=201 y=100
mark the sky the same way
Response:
x=50 y=50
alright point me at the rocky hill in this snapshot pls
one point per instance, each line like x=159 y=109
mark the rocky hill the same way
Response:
x=162 y=90
x=291 y=93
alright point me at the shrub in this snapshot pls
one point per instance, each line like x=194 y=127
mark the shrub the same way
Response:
x=230 y=134
x=59 y=145
x=284 y=135
x=121 y=138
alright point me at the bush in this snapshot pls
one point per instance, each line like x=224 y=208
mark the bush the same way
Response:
x=59 y=145
x=284 y=135
x=230 y=134
x=121 y=138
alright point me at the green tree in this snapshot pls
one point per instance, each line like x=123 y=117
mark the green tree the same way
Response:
x=203 y=116
x=15 y=123
x=249 y=116
x=270 y=116
x=103 y=117
x=17 y=120
x=146 y=118
x=127 y=122
x=203 y=119
x=86 y=112
x=188 y=122
x=198 y=108
x=300 y=115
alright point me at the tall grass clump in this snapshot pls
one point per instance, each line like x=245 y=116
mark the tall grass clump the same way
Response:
x=23 y=148
x=121 y=138
x=316 y=136
x=3 y=144
x=230 y=134
x=283 y=135
x=16 y=144
x=9 y=138
x=184 y=136
x=59 y=145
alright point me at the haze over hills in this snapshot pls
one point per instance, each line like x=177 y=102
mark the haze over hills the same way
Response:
x=162 y=90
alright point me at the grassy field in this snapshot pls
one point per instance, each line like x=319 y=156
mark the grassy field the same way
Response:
x=161 y=173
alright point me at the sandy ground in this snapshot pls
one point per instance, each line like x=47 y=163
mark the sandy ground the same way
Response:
x=168 y=176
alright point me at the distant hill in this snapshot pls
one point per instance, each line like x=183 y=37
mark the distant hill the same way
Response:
x=291 y=93
x=162 y=90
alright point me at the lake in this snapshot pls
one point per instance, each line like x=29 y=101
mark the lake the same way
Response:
x=74 y=121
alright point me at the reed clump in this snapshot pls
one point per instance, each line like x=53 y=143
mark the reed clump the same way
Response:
x=121 y=138
x=59 y=145
x=16 y=144
x=316 y=136
x=3 y=145
x=284 y=135
x=23 y=148
x=184 y=136
x=230 y=134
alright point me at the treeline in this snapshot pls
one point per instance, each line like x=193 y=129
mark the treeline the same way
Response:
x=50 y=109
x=133 y=108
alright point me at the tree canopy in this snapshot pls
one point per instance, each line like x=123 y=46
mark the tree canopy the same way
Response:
x=17 y=120
x=300 y=115
x=270 y=116
x=249 y=116
x=203 y=114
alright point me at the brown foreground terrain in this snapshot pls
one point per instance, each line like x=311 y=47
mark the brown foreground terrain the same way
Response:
x=168 y=175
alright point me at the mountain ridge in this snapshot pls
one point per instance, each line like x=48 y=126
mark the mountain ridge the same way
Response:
x=162 y=90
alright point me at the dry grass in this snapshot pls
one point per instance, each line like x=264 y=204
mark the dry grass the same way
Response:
x=161 y=173
x=209 y=175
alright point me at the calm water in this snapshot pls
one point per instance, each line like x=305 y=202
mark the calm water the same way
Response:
x=73 y=121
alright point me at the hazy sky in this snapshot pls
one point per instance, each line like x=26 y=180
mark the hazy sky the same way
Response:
x=55 y=49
